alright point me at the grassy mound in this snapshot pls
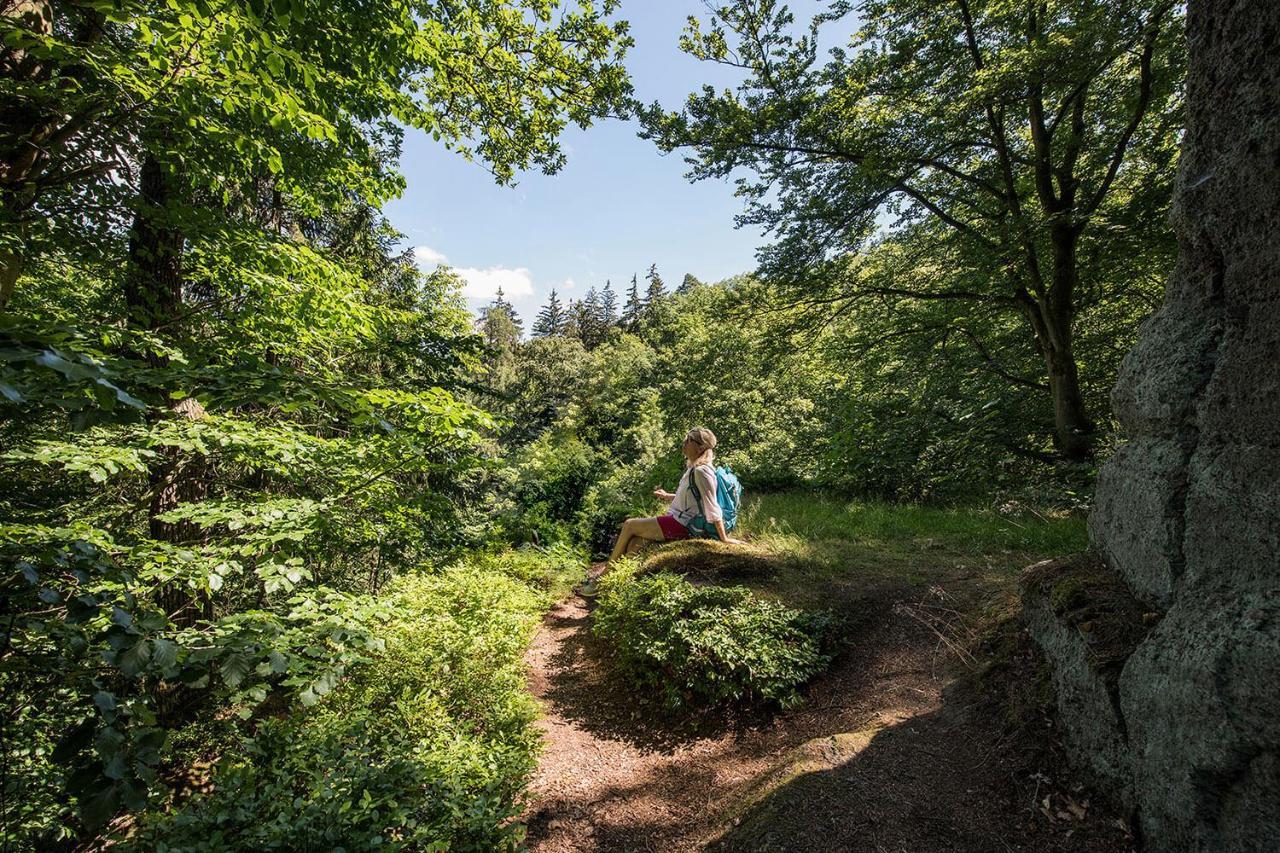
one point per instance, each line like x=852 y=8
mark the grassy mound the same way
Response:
x=711 y=560
x=707 y=645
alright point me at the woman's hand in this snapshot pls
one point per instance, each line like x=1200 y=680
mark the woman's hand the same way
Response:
x=664 y=494
x=724 y=535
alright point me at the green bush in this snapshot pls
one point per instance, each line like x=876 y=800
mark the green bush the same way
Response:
x=546 y=483
x=626 y=492
x=710 y=645
x=427 y=747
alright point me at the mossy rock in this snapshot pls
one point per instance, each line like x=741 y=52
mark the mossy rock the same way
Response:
x=1085 y=593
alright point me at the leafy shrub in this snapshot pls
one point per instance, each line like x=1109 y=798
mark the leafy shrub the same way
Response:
x=710 y=645
x=545 y=485
x=552 y=569
x=427 y=746
x=626 y=492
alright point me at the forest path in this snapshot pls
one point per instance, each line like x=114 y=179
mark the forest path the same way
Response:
x=882 y=756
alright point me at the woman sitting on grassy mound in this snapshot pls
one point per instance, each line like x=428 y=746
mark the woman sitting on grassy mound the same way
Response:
x=704 y=504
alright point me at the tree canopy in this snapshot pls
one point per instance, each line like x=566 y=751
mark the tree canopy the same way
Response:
x=1028 y=145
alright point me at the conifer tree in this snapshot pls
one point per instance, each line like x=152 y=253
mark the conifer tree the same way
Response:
x=500 y=324
x=690 y=282
x=632 y=310
x=608 y=306
x=571 y=327
x=657 y=288
x=581 y=323
x=501 y=328
x=551 y=319
x=590 y=321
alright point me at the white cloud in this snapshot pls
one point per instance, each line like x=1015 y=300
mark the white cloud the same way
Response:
x=568 y=284
x=484 y=284
x=425 y=256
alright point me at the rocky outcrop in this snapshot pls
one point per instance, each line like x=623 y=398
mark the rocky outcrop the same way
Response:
x=1088 y=624
x=1188 y=512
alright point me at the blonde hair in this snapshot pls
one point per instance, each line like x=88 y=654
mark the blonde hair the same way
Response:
x=706 y=439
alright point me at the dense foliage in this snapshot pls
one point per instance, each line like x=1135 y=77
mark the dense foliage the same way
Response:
x=428 y=746
x=708 y=645
x=1017 y=156
x=231 y=406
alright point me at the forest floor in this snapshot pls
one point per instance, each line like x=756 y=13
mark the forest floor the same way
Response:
x=930 y=732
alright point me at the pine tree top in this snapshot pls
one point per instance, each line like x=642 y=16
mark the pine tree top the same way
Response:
x=657 y=288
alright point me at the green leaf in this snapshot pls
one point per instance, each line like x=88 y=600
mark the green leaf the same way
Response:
x=164 y=654
x=234 y=668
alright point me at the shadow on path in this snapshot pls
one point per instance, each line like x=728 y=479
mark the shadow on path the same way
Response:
x=889 y=752
x=936 y=783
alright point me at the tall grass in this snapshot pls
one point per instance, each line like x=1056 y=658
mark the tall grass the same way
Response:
x=815 y=517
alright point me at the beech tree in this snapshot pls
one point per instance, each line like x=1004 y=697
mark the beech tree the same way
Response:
x=1032 y=141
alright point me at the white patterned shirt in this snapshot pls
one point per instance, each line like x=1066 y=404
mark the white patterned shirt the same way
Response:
x=684 y=508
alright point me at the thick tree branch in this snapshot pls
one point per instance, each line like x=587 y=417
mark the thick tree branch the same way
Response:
x=993 y=366
x=966 y=295
x=995 y=121
x=1041 y=144
x=937 y=211
x=1041 y=137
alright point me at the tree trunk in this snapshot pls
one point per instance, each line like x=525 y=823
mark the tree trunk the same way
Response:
x=153 y=297
x=1073 y=430
x=1051 y=319
x=15 y=117
x=10 y=269
x=153 y=283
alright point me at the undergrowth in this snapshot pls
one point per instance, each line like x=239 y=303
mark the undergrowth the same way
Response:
x=710 y=645
x=427 y=746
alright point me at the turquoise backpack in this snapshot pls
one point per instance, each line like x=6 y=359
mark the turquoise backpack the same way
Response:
x=728 y=495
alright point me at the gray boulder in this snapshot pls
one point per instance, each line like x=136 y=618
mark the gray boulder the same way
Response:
x=1188 y=512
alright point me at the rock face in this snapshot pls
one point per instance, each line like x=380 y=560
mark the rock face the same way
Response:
x=1088 y=623
x=1188 y=512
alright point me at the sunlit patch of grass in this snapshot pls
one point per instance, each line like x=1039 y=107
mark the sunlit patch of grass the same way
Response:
x=808 y=550
x=976 y=529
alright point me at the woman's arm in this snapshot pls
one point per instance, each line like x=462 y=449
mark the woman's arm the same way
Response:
x=664 y=494
x=724 y=536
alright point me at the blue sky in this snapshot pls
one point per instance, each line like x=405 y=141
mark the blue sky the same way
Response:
x=616 y=207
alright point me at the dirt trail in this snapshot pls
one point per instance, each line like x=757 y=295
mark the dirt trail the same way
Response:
x=881 y=757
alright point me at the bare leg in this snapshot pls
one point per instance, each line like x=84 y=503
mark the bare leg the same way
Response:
x=636 y=528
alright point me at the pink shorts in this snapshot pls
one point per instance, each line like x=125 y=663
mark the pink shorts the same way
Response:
x=672 y=529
